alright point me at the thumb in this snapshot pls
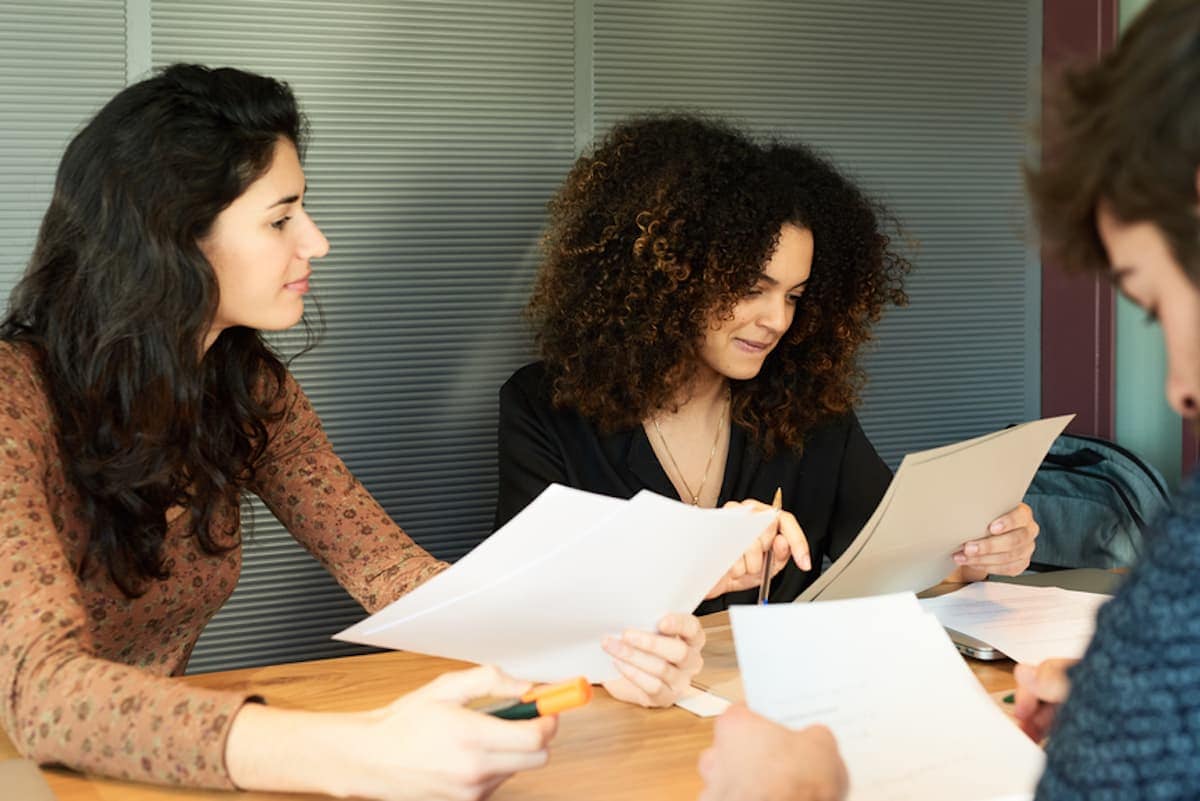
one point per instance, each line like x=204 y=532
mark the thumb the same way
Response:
x=464 y=685
x=1052 y=682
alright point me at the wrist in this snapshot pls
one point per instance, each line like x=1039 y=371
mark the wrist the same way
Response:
x=294 y=751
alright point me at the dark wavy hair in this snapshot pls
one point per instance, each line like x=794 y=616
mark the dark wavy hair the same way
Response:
x=1126 y=131
x=667 y=224
x=118 y=298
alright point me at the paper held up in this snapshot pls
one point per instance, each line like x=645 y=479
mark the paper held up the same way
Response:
x=538 y=596
x=938 y=500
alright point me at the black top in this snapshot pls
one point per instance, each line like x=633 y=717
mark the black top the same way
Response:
x=832 y=488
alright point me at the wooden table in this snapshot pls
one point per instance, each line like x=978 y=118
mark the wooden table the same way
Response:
x=606 y=750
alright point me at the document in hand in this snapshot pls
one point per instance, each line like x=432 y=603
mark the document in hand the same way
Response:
x=538 y=596
x=1027 y=624
x=938 y=500
x=911 y=720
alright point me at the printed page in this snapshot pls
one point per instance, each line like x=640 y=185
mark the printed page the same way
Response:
x=911 y=720
x=1027 y=624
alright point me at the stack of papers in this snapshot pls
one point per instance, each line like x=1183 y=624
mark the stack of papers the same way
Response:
x=538 y=596
x=1027 y=624
x=911 y=720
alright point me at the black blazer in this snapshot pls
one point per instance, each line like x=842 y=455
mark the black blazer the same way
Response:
x=832 y=488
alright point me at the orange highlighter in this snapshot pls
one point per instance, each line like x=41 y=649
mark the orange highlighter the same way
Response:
x=547 y=699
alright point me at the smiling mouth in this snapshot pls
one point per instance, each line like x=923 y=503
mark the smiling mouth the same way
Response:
x=753 y=347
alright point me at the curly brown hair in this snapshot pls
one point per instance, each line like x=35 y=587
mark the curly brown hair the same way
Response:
x=661 y=230
x=1126 y=131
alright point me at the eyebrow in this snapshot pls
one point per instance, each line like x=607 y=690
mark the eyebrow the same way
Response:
x=289 y=200
x=774 y=282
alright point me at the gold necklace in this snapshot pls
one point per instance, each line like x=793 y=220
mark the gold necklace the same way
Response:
x=707 y=465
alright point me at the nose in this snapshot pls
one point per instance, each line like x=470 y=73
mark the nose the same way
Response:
x=776 y=315
x=313 y=244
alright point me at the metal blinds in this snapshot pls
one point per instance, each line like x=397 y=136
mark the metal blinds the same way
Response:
x=59 y=62
x=926 y=103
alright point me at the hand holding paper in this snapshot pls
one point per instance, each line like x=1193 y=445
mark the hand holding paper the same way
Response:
x=538 y=597
x=935 y=501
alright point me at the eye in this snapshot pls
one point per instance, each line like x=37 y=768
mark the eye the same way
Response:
x=282 y=221
x=796 y=298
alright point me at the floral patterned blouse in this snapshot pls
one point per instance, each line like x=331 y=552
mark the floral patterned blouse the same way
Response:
x=85 y=672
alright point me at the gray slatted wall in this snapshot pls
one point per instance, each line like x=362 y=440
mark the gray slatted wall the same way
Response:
x=58 y=63
x=440 y=129
x=925 y=101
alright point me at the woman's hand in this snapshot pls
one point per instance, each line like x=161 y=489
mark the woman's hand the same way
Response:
x=784 y=536
x=755 y=759
x=1041 y=690
x=1005 y=551
x=656 y=668
x=424 y=745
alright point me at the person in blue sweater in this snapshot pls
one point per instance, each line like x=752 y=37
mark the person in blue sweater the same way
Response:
x=1120 y=194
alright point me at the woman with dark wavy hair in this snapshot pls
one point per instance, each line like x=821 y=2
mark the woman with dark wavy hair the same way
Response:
x=138 y=402
x=699 y=313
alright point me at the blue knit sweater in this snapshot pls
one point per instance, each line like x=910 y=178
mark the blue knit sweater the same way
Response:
x=1131 y=729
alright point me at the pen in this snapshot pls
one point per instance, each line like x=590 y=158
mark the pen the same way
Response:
x=765 y=588
x=547 y=699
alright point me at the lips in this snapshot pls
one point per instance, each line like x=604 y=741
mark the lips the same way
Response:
x=300 y=286
x=750 y=346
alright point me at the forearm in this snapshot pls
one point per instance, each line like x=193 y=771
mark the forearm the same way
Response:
x=293 y=751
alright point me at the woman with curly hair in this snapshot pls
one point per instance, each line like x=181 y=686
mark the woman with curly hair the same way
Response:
x=699 y=314
x=1118 y=193
x=138 y=403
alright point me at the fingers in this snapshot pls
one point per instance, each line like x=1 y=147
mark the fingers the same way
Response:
x=1019 y=517
x=653 y=653
x=1004 y=554
x=1040 y=691
x=738 y=568
x=512 y=736
x=1050 y=680
x=790 y=529
x=678 y=624
x=625 y=690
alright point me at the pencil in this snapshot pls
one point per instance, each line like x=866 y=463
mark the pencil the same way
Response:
x=764 y=589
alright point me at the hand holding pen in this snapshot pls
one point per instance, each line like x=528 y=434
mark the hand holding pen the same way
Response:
x=783 y=537
x=764 y=589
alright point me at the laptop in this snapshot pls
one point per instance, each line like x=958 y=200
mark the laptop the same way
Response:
x=1083 y=579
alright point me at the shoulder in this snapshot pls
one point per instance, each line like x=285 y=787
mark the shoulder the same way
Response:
x=1144 y=662
x=22 y=387
x=292 y=411
x=18 y=365
x=530 y=384
x=833 y=434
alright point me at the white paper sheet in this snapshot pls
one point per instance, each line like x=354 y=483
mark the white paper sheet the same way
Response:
x=911 y=720
x=1027 y=624
x=539 y=595
x=701 y=703
x=937 y=500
